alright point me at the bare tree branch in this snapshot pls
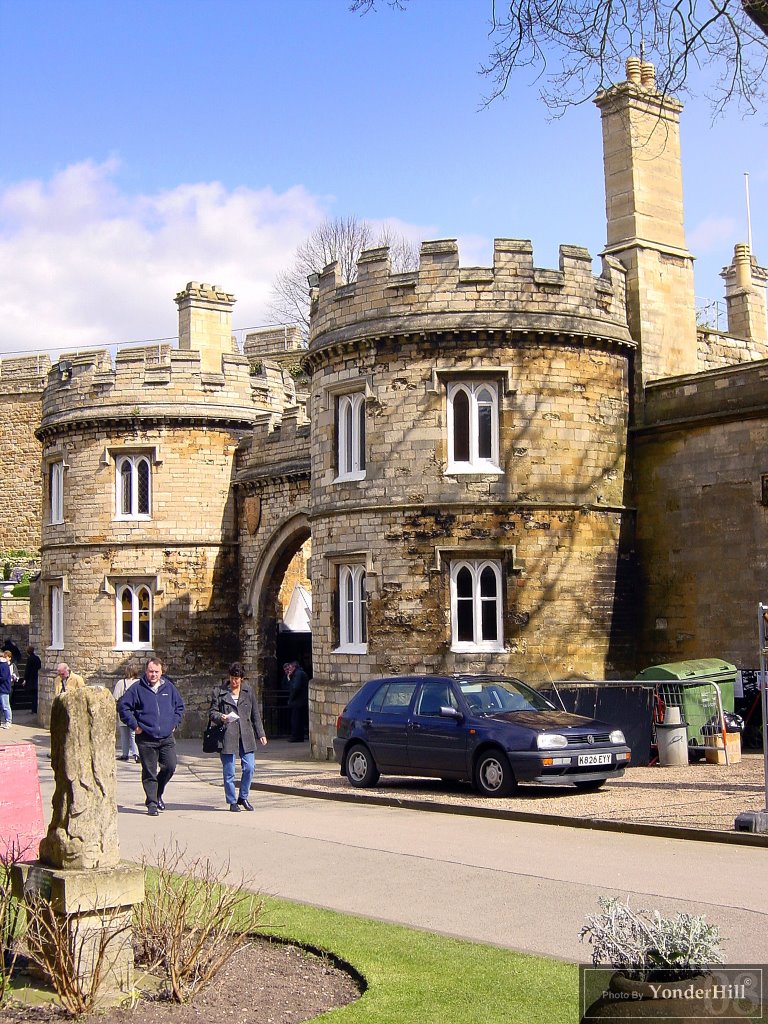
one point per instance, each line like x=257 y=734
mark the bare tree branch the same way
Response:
x=578 y=48
x=340 y=240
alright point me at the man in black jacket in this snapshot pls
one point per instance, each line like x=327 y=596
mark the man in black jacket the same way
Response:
x=31 y=675
x=153 y=708
x=298 y=699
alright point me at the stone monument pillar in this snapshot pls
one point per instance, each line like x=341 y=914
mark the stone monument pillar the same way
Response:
x=89 y=894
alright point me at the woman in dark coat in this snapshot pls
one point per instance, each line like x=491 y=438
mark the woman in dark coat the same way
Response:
x=234 y=707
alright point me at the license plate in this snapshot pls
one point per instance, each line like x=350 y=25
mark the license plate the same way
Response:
x=587 y=759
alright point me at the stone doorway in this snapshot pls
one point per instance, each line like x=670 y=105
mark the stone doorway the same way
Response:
x=281 y=601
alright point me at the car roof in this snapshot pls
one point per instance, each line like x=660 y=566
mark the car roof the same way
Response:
x=439 y=677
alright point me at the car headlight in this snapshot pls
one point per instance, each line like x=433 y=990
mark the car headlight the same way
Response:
x=551 y=741
x=617 y=736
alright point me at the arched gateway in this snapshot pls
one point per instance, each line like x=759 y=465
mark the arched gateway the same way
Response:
x=273 y=501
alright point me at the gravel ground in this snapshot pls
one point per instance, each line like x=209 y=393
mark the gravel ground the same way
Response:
x=699 y=795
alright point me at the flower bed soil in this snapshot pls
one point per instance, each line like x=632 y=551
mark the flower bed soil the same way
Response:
x=272 y=983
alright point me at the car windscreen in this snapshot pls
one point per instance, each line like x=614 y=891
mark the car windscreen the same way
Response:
x=489 y=696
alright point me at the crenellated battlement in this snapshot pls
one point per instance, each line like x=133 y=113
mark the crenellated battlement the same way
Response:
x=278 y=446
x=512 y=295
x=160 y=382
x=20 y=374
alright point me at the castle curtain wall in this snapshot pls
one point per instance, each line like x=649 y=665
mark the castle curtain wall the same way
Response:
x=701 y=479
x=21 y=388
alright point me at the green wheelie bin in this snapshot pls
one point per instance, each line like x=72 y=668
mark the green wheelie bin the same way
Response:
x=697 y=703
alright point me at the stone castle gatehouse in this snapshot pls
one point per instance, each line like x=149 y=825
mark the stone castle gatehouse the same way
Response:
x=492 y=468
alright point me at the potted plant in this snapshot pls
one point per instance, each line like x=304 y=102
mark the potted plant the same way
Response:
x=655 y=966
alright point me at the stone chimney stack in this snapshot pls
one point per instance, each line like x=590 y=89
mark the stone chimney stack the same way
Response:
x=205 y=323
x=645 y=231
x=745 y=285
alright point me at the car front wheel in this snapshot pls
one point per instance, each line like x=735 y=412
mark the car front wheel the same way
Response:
x=360 y=768
x=493 y=774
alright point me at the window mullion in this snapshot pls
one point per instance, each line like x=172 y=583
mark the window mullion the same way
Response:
x=355 y=595
x=474 y=427
x=477 y=606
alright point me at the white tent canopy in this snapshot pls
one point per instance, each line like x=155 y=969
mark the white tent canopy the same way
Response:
x=298 y=614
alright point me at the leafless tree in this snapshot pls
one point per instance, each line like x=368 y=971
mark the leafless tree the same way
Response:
x=576 y=48
x=341 y=239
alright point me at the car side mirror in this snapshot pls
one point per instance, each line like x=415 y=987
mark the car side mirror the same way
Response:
x=449 y=712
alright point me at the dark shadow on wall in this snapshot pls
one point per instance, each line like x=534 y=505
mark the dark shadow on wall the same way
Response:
x=547 y=631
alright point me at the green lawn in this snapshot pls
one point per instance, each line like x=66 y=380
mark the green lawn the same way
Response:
x=417 y=977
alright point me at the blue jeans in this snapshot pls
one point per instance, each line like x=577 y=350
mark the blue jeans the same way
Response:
x=128 y=746
x=5 y=705
x=247 y=763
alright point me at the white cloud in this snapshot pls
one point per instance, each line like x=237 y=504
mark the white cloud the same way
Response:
x=475 y=251
x=83 y=263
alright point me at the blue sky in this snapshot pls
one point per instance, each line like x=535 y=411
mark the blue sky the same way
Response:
x=145 y=144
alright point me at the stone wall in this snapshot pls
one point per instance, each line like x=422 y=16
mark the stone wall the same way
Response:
x=269 y=342
x=15 y=612
x=21 y=387
x=296 y=575
x=732 y=390
x=716 y=350
x=701 y=479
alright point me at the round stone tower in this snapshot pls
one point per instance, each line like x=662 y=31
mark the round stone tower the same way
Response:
x=467 y=469
x=139 y=537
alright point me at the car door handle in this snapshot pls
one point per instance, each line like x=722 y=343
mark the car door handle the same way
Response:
x=414 y=725
x=367 y=721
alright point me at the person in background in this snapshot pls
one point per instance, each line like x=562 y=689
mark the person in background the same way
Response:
x=128 y=748
x=298 y=699
x=31 y=675
x=9 y=645
x=66 y=679
x=234 y=707
x=153 y=708
x=6 y=685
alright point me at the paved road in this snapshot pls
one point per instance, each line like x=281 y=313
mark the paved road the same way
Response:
x=526 y=886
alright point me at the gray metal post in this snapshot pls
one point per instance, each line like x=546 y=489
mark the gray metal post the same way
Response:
x=757 y=821
x=762 y=612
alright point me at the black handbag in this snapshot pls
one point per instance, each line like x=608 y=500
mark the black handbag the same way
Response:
x=213 y=738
